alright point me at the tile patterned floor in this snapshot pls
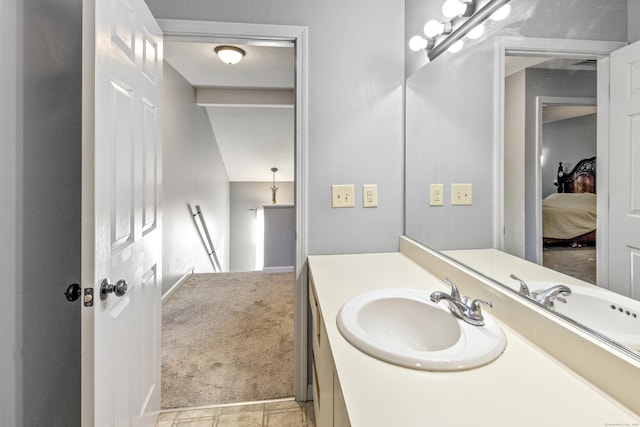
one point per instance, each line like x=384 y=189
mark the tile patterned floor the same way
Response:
x=287 y=413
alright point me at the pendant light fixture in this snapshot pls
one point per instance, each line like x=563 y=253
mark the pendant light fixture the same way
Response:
x=274 y=188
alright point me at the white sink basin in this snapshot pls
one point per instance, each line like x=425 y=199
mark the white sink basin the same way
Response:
x=403 y=327
x=609 y=313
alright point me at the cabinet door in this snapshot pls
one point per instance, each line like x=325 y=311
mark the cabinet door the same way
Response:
x=322 y=366
x=340 y=415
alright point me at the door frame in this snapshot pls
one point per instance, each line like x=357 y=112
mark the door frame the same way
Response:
x=599 y=50
x=541 y=102
x=183 y=30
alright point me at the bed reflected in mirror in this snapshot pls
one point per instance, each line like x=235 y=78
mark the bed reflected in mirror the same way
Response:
x=569 y=219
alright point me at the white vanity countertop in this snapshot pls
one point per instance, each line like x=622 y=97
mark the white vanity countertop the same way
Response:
x=499 y=265
x=523 y=387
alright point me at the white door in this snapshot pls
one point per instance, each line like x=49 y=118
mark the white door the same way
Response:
x=122 y=92
x=624 y=172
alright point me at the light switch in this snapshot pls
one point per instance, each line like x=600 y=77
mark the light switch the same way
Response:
x=436 y=195
x=342 y=196
x=461 y=194
x=370 y=196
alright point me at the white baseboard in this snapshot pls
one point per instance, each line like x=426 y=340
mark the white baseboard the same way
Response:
x=284 y=269
x=179 y=283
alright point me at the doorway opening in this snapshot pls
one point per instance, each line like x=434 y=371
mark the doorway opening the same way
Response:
x=285 y=122
x=555 y=112
x=552 y=127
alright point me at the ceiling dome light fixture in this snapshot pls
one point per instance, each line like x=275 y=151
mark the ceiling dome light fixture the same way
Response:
x=229 y=54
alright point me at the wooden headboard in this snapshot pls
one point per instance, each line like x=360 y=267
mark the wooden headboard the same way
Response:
x=581 y=179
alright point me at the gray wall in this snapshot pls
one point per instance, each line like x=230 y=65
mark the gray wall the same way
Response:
x=450 y=114
x=193 y=173
x=11 y=396
x=355 y=108
x=634 y=18
x=246 y=197
x=567 y=141
x=40 y=213
x=449 y=139
x=279 y=236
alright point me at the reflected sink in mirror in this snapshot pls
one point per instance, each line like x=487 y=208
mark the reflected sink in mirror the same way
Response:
x=605 y=312
x=403 y=327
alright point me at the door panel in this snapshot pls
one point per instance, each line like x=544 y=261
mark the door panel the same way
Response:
x=624 y=151
x=123 y=362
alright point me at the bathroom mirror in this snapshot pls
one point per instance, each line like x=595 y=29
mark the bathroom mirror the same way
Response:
x=456 y=119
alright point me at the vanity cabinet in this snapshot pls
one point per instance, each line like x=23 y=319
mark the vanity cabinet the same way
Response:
x=328 y=400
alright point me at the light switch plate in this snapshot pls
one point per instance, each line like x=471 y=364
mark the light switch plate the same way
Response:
x=342 y=196
x=461 y=194
x=370 y=196
x=436 y=195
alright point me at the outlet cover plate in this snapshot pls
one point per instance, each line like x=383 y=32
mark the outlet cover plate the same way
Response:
x=370 y=196
x=436 y=195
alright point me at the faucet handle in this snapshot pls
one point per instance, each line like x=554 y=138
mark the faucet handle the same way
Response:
x=455 y=293
x=474 y=307
x=524 y=289
x=475 y=313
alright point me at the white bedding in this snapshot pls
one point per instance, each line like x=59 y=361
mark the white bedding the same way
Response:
x=568 y=215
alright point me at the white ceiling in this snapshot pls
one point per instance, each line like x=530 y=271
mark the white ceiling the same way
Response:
x=552 y=113
x=251 y=139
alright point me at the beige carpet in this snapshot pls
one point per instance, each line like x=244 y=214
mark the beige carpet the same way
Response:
x=576 y=262
x=226 y=338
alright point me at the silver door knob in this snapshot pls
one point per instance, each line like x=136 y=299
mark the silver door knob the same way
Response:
x=119 y=289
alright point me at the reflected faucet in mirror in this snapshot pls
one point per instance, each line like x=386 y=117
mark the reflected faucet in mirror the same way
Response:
x=546 y=297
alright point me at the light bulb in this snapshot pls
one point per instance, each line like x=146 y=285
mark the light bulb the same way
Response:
x=456 y=47
x=501 y=13
x=433 y=28
x=453 y=8
x=476 y=32
x=417 y=43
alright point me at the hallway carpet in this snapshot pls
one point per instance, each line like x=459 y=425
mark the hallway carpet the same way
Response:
x=227 y=338
x=577 y=262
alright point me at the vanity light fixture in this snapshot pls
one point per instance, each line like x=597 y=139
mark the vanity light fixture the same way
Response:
x=435 y=28
x=229 y=54
x=454 y=8
x=463 y=20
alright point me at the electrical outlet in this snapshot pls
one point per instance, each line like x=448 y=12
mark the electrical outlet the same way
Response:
x=461 y=194
x=436 y=195
x=370 y=196
x=342 y=196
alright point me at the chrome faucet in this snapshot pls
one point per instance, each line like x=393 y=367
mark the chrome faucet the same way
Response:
x=549 y=296
x=524 y=289
x=470 y=313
